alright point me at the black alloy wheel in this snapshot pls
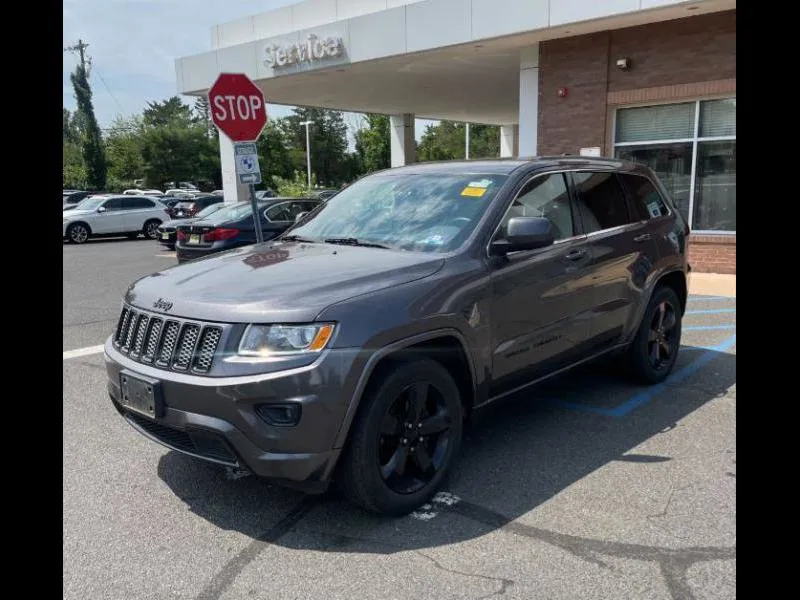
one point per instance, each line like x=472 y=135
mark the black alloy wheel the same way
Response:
x=661 y=340
x=414 y=436
x=653 y=352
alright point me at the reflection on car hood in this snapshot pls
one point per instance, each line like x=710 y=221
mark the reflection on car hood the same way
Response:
x=278 y=281
x=74 y=211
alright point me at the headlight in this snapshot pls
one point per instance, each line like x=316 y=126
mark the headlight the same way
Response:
x=272 y=340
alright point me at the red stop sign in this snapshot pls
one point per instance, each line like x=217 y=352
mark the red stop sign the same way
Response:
x=237 y=107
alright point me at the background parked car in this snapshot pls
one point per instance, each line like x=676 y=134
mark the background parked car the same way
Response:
x=187 y=208
x=168 y=230
x=323 y=194
x=114 y=215
x=72 y=197
x=264 y=194
x=233 y=226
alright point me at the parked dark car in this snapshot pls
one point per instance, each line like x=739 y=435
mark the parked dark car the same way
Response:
x=354 y=345
x=233 y=227
x=323 y=194
x=168 y=231
x=187 y=208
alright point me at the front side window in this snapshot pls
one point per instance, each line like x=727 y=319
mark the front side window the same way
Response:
x=646 y=202
x=601 y=200
x=424 y=212
x=677 y=140
x=544 y=196
x=113 y=204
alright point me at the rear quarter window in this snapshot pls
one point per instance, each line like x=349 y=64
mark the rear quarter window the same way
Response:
x=646 y=202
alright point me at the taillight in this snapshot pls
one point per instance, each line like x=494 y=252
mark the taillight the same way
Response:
x=219 y=234
x=181 y=235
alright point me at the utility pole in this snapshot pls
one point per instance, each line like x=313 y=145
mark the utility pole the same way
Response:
x=308 y=152
x=80 y=48
x=466 y=143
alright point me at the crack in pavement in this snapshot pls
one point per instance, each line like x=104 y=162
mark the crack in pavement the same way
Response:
x=674 y=563
x=504 y=583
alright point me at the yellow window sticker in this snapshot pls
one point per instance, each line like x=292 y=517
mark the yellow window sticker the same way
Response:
x=475 y=192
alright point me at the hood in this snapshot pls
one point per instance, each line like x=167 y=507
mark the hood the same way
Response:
x=277 y=281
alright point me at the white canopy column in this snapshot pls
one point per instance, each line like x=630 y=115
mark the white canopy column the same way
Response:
x=232 y=190
x=508 y=140
x=401 y=131
x=529 y=101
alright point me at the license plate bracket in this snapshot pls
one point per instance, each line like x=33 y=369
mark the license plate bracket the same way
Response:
x=194 y=238
x=164 y=236
x=141 y=394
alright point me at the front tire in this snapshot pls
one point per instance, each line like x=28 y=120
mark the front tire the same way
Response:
x=78 y=233
x=404 y=439
x=653 y=352
x=150 y=229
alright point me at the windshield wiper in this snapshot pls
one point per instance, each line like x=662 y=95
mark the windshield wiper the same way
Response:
x=296 y=238
x=351 y=241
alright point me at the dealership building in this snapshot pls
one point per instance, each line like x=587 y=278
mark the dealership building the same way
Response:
x=647 y=80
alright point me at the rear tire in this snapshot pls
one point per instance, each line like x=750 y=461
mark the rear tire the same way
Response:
x=78 y=233
x=400 y=449
x=653 y=352
x=150 y=229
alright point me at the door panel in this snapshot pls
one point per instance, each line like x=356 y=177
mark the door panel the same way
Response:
x=539 y=302
x=110 y=221
x=622 y=251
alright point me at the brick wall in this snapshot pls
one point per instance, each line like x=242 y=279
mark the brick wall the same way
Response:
x=712 y=253
x=696 y=50
x=671 y=61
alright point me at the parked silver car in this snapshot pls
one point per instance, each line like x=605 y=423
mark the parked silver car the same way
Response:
x=114 y=215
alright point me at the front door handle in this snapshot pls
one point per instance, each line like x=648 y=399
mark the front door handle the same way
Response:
x=643 y=238
x=575 y=254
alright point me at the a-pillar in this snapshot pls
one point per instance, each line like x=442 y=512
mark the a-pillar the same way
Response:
x=529 y=101
x=508 y=140
x=232 y=190
x=401 y=133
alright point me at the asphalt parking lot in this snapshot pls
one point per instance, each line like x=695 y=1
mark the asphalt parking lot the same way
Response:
x=587 y=488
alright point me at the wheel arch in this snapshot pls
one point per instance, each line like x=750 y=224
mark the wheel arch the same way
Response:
x=446 y=346
x=84 y=223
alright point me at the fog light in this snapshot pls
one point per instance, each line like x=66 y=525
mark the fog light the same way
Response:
x=280 y=415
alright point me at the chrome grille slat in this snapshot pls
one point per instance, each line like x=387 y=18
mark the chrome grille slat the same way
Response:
x=141 y=329
x=187 y=341
x=134 y=321
x=209 y=340
x=171 y=329
x=167 y=343
x=153 y=336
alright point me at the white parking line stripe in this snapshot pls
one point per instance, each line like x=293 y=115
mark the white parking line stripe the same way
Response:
x=83 y=351
x=165 y=256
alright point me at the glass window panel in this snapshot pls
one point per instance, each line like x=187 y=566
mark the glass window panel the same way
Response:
x=718 y=117
x=673 y=165
x=645 y=199
x=648 y=123
x=715 y=187
x=547 y=197
x=601 y=201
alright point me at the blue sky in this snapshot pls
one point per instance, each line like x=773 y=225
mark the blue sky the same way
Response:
x=133 y=45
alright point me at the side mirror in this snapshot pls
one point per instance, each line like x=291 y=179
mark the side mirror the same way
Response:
x=300 y=216
x=524 y=233
x=101 y=209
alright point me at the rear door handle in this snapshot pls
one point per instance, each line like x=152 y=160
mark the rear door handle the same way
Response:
x=643 y=238
x=575 y=254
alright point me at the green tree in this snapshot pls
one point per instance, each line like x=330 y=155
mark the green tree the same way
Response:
x=124 y=141
x=447 y=141
x=94 y=157
x=203 y=115
x=168 y=112
x=179 y=153
x=373 y=145
x=273 y=155
x=328 y=137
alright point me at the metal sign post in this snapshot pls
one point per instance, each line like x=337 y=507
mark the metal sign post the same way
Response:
x=249 y=172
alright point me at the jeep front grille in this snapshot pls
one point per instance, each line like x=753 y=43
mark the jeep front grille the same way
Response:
x=175 y=344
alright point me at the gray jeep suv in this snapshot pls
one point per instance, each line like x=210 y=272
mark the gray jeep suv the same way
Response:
x=353 y=347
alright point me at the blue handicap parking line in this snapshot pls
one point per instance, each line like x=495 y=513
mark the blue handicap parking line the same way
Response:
x=646 y=395
x=710 y=311
x=708 y=327
x=711 y=298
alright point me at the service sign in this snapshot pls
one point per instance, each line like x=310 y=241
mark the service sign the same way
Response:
x=247 y=168
x=311 y=50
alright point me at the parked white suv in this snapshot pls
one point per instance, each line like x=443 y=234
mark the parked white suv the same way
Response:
x=109 y=215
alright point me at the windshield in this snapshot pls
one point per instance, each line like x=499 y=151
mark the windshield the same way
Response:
x=90 y=203
x=209 y=209
x=431 y=212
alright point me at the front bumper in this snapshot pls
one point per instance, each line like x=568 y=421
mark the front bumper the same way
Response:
x=215 y=418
